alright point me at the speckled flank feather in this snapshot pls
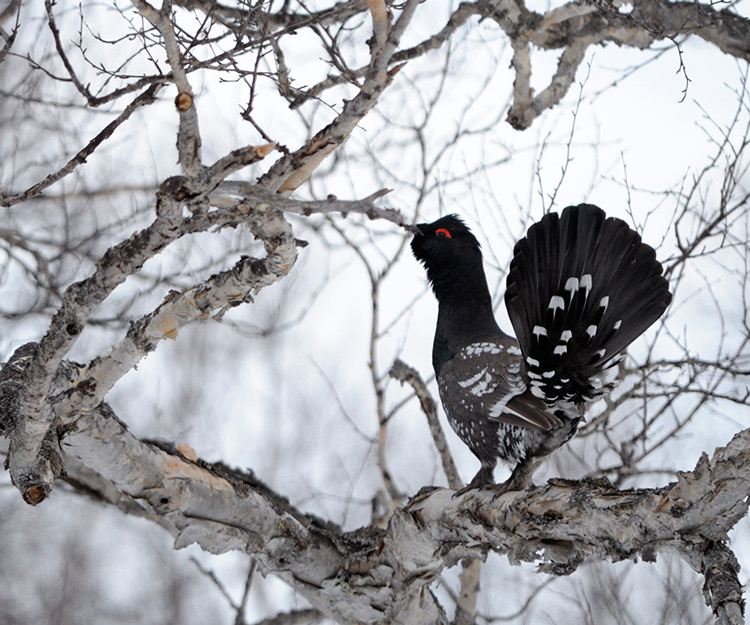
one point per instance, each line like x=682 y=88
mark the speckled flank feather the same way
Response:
x=484 y=399
x=581 y=288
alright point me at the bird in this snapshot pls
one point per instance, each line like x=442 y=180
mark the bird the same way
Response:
x=580 y=289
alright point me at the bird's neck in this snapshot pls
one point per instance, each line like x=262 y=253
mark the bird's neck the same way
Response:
x=465 y=315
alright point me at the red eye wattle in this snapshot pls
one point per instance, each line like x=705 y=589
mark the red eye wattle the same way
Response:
x=443 y=233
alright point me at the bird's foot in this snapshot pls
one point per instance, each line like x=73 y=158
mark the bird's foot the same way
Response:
x=520 y=479
x=512 y=484
x=482 y=479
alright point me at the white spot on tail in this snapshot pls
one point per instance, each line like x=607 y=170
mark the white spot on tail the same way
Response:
x=533 y=362
x=604 y=302
x=586 y=283
x=556 y=302
x=591 y=331
x=566 y=336
x=537 y=392
x=560 y=350
x=539 y=331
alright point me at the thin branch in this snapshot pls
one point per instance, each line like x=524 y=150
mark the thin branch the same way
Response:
x=188 y=136
x=405 y=374
x=144 y=99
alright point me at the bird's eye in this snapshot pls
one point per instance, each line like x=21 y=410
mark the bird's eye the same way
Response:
x=442 y=233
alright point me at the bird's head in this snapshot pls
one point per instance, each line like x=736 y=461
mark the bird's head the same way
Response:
x=448 y=250
x=446 y=240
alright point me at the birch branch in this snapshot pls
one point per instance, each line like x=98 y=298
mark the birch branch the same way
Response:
x=722 y=589
x=261 y=213
x=32 y=469
x=408 y=375
x=188 y=135
x=459 y=17
x=230 y=189
x=34 y=461
x=380 y=25
x=373 y=576
x=290 y=172
x=144 y=99
x=572 y=29
x=211 y=298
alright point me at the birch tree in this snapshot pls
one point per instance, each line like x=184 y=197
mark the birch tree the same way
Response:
x=347 y=122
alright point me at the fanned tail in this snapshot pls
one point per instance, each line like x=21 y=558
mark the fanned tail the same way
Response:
x=581 y=288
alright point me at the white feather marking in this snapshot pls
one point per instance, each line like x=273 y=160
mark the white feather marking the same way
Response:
x=539 y=331
x=537 y=392
x=480 y=348
x=566 y=336
x=473 y=379
x=591 y=330
x=560 y=350
x=483 y=386
x=556 y=302
x=586 y=283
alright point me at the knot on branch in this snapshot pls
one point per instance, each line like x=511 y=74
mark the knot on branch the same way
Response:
x=176 y=188
x=172 y=194
x=35 y=494
x=183 y=102
x=520 y=117
x=33 y=470
x=34 y=456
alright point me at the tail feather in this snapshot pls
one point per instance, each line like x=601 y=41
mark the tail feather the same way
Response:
x=581 y=288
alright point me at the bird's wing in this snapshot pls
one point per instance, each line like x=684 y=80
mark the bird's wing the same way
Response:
x=485 y=379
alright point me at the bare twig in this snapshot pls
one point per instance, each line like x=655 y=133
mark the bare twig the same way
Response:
x=146 y=98
x=188 y=136
x=405 y=374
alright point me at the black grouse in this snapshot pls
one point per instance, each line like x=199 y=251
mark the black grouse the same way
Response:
x=581 y=288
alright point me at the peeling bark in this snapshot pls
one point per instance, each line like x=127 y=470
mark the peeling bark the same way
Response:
x=383 y=576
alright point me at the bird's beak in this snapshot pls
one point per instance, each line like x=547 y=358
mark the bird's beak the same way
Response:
x=415 y=230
